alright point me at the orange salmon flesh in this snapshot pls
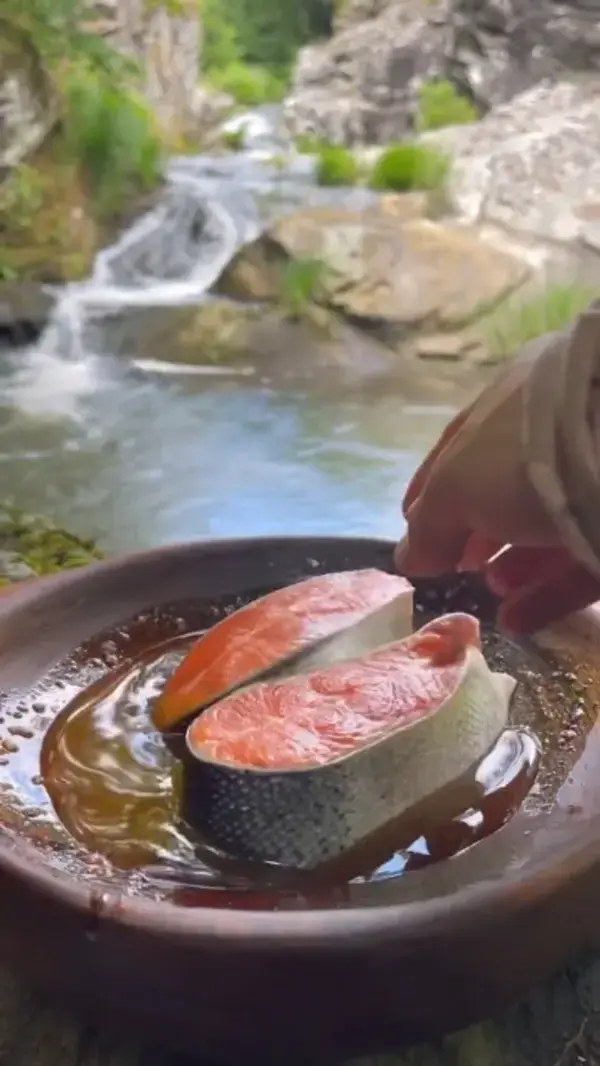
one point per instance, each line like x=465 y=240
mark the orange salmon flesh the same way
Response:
x=269 y=629
x=312 y=720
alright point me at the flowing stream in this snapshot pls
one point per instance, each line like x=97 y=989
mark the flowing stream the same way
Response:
x=140 y=451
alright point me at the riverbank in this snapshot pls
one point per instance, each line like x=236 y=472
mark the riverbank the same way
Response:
x=32 y=546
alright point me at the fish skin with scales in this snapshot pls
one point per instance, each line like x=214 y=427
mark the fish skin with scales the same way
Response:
x=304 y=815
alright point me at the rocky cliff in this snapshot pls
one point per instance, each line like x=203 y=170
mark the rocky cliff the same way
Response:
x=165 y=40
x=361 y=86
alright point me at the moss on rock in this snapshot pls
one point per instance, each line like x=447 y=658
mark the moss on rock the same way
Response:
x=32 y=545
x=49 y=229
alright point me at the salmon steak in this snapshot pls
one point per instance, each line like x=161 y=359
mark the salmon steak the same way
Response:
x=300 y=769
x=277 y=627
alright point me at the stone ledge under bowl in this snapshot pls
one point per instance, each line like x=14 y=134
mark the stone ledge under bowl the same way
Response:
x=465 y=938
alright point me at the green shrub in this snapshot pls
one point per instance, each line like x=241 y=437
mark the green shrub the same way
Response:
x=111 y=133
x=302 y=283
x=336 y=166
x=233 y=139
x=249 y=85
x=518 y=321
x=404 y=167
x=440 y=104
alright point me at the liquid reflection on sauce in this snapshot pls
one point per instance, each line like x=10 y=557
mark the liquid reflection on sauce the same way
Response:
x=114 y=787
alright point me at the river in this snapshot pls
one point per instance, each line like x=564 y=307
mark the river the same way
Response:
x=121 y=450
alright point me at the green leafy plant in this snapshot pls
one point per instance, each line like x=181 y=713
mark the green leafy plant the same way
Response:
x=59 y=31
x=410 y=166
x=233 y=139
x=518 y=321
x=440 y=104
x=22 y=194
x=336 y=166
x=112 y=135
x=249 y=85
x=302 y=283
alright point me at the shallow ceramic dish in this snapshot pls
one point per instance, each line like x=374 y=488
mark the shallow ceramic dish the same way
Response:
x=402 y=960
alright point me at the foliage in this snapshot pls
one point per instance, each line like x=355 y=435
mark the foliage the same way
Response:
x=440 y=104
x=302 y=282
x=336 y=166
x=58 y=31
x=104 y=148
x=233 y=139
x=249 y=85
x=111 y=134
x=410 y=166
x=220 y=44
x=518 y=321
x=241 y=36
x=39 y=544
x=45 y=237
x=270 y=32
x=308 y=144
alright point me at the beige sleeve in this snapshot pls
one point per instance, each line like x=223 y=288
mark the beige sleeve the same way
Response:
x=561 y=432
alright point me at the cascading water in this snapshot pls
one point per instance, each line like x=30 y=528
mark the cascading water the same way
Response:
x=168 y=258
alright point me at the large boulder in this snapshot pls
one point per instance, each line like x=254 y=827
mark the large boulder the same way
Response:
x=165 y=40
x=501 y=47
x=223 y=337
x=362 y=84
x=391 y=272
x=533 y=165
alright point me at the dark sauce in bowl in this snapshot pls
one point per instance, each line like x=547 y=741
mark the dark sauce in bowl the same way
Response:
x=98 y=787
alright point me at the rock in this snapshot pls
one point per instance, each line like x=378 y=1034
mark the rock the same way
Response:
x=209 y=109
x=395 y=276
x=362 y=84
x=165 y=40
x=532 y=166
x=353 y=12
x=13 y=568
x=255 y=272
x=450 y=346
x=404 y=206
x=28 y=105
x=502 y=47
x=24 y=310
x=32 y=545
x=263 y=340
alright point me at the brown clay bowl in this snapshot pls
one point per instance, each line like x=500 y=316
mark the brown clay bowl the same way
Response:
x=426 y=953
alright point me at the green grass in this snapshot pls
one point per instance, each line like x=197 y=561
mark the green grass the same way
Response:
x=518 y=321
x=407 y=167
x=302 y=282
x=233 y=139
x=308 y=144
x=336 y=166
x=111 y=133
x=440 y=104
x=249 y=85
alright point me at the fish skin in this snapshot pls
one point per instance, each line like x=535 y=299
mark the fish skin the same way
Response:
x=303 y=817
x=359 y=610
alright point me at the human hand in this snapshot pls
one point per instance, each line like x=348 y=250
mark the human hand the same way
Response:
x=473 y=497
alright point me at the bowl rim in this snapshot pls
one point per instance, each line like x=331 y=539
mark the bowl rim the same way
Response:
x=341 y=928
